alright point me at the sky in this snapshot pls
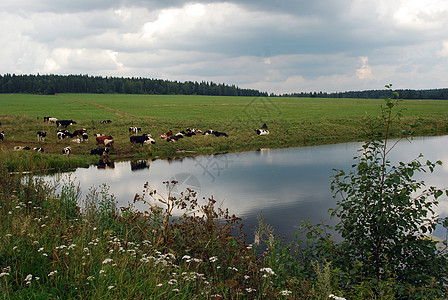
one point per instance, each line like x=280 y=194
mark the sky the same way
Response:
x=273 y=46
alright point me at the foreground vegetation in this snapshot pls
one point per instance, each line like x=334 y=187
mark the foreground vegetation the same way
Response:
x=52 y=249
x=292 y=122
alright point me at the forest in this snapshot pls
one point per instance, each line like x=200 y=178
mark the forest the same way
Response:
x=52 y=84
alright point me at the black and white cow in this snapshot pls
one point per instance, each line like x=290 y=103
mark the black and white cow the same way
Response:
x=134 y=130
x=99 y=151
x=263 y=130
x=63 y=134
x=39 y=149
x=65 y=123
x=2 y=135
x=41 y=136
x=85 y=137
x=106 y=122
x=66 y=151
x=142 y=139
x=218 y=134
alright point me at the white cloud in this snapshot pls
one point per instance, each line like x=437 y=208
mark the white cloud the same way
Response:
x=365 y=72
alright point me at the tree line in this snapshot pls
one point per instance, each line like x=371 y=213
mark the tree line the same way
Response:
x=52 y=84
x=441 y=94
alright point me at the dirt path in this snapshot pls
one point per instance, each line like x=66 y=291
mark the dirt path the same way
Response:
x=115 y=111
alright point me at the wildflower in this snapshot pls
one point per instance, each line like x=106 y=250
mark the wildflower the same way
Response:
x=110 y=287
x=285 y=293
x=267 y=270
x=175 y=290
x=186 y=257
x=71 y=246
x=52 y=273
x=90 y=278
x=213 y=259
x=37 y=278
x=160 y=284
x=233 y=268
x=43 y=225
x=107 y=260
x=40 y=249
x=4 y=274
x=172 y=281
x=250 y=290
x=102 y=271
x=8 y=235
x=246 y=277
x=28 y=278
x=335 y=297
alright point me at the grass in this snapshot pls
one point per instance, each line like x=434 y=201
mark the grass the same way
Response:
x=292 y=122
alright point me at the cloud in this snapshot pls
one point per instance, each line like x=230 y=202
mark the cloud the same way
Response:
x=279 y=47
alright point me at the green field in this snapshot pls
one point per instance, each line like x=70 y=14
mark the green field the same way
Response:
x=291 y=121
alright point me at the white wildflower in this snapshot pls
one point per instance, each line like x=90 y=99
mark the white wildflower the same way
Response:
x=172 y=281
x=107 y=260
x=28 y=278
x=213 y=259
x=335 y=297
x=186 y=257
x=52 y=273
x=110 y=287
x=4 y=274
x=267 y=270
x=285 y=293
x=250 y=290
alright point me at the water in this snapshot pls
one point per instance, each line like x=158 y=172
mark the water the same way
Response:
x=284 y=185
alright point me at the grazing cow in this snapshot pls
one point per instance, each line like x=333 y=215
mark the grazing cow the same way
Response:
x=41 y=136
x=99 y=151
x=26 y=148
x=166 y=134
x=141 y=139
x=85 y=137
x=100 y=139
x=2 y=135
x=106 y=121
x=38 y=149
x=66 y=151
x=65 y=123
x=134 y=130
x=79 y=132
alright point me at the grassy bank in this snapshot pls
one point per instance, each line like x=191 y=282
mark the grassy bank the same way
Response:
x=292 y=122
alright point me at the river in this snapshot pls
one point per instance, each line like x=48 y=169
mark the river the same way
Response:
x=284 y=185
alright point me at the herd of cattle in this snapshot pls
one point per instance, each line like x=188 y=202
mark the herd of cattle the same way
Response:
x=106 y=141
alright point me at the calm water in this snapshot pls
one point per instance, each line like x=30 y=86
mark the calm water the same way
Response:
x=285 y=185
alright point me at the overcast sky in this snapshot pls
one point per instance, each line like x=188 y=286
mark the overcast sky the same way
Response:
x=273 y=46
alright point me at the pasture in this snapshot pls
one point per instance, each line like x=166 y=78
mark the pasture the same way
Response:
x=291 y=121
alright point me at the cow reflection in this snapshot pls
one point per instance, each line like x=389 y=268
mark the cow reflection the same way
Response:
x=105 y=163
x=139 y=164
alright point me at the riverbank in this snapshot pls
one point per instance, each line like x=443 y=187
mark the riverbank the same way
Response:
x=292 y=122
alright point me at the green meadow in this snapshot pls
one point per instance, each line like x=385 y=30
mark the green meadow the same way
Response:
x=292 y=122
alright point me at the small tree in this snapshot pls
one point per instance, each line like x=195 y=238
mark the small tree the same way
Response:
x=383 y=224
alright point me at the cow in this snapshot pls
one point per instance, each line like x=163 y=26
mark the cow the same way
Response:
x=218 y=134
x=98 y=134
x=85 y=137
x=79 y=132
x=52 y=120
x=17 y=148
x=65 y=123
x=141 y=139
x=2 y=135
x=66 y=151
x=208 y=132
x=106 y=122
x=166 y=134
x=263 y=130
x=39 y=149
x=174 y=138
x=41 y=136
x=134 y=130
x=194 y=130
x=26 y=148
x=100 y=139
x=108 y=142
x=78 y=141
x=99 y=151
x=62 y=134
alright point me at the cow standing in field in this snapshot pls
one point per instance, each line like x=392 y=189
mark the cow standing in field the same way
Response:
x=99 y=151
x=41 y=136
x=100 y=139
x=63 y=134
x=134 y=130
x=142 y=139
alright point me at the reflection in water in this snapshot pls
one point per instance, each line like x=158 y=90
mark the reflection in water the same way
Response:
x=286 y=185
x=105 y=163
x=139 y=164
